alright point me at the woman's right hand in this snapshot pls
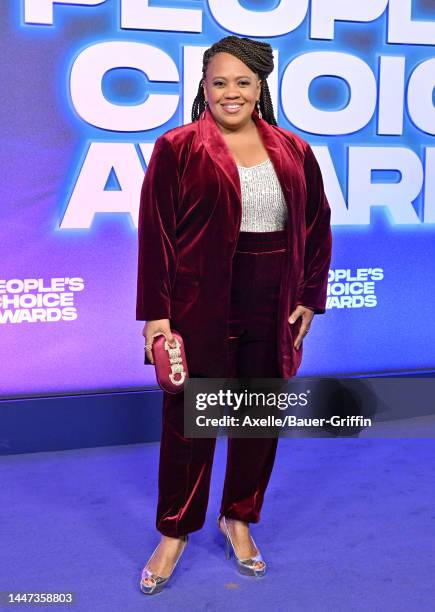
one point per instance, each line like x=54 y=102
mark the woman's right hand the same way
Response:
x=156 y=328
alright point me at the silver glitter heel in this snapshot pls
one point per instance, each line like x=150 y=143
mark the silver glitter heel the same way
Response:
x=159 y=582
x=245 y=566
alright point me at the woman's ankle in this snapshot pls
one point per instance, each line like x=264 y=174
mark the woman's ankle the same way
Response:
x=172 y=539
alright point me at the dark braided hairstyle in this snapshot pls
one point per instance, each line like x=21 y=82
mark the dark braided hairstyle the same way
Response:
x=257 y=55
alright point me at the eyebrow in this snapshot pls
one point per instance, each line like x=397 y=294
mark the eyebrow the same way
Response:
x=241 y=76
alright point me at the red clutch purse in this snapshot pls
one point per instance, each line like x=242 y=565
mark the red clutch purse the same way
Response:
x=170 y=363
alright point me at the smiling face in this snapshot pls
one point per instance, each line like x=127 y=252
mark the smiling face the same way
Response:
x=231 y=90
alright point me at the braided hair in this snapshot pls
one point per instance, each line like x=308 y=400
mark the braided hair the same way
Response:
x=258 y=56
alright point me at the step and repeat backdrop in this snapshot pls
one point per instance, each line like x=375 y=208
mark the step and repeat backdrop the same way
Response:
x=87 y=87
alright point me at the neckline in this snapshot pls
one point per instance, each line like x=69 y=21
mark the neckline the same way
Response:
x=255 y=166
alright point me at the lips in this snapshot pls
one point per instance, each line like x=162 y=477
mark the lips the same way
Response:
x=232 y=108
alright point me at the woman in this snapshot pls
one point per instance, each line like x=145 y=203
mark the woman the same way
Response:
x=234 y=252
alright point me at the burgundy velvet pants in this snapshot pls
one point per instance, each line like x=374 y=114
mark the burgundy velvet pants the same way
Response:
x=186 y=463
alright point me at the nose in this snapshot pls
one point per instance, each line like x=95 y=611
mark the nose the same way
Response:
x=232 y=97
x=231 y=91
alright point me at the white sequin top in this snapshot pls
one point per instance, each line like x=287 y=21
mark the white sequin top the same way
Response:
x=264 y=208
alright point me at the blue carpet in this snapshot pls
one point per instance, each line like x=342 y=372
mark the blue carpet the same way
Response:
x=347 y=524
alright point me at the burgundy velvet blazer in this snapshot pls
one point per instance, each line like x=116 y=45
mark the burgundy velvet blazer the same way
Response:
x=189 y=220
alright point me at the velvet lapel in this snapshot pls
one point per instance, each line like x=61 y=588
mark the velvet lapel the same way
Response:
x=218 y=151
x=221 y=155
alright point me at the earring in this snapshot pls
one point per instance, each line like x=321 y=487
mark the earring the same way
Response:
x=203 y=112
x=259 y=109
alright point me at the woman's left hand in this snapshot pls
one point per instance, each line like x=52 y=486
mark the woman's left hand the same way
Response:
x=307 y=316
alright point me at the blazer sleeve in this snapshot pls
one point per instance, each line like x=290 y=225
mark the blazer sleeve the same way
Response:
x=157 y=250
x=318 y=243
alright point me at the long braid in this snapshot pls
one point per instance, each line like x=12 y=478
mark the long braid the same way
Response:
x=257 y=55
